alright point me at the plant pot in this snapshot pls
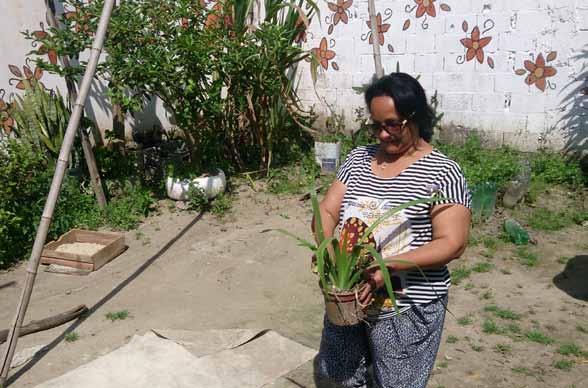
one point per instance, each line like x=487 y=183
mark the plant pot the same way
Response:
x=327 y=155
x=343 y=308
x=212 y=185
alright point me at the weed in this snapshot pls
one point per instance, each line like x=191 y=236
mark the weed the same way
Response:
x=451 y=339
x=197 y=198
x=71 y=337
x=465 y=321
x=486 y=295
x=522 y=370
x=491 y=327
x=545 y=219
x=502 y=313
x=483 y=267
x=117 y=315
x=564 y=364
x=537 y=336
x=476 y=348
x=505 y=271
x=285 y=216
x=527 y=257
x=563 y=259
x=491 y=242
x=503 y=348
x=582 y=329
x=459 y=274
x=513 y=328
x=442 y=364
x=469 y=286
x=570 y=349
x=222 y=205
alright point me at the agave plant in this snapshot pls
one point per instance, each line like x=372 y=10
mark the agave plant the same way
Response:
x=41 y=118
x=340 y=265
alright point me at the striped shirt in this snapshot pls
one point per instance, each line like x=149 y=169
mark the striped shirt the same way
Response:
x=368 y=196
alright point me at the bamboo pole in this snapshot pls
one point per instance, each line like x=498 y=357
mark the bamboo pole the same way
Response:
x=72 y=96
x=49 y=208
x=375 y=43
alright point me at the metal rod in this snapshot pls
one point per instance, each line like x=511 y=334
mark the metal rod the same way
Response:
x=375 y=40
x=41 y=236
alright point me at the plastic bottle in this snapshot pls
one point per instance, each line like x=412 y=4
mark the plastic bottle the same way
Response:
x=517 y=188
x=515 y=232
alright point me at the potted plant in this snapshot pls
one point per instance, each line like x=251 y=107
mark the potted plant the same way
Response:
x=327 y=146
x=340 y=265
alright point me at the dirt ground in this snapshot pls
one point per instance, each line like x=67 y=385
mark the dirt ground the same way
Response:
x=186 y=271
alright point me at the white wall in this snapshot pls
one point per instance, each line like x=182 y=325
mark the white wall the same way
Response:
x=484 y=96
x=488 y=96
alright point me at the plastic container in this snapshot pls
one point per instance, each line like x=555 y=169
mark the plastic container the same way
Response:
x=515 y=232
x=212 y=185
x=483 y=201
x=327 y=156
x=517 y=188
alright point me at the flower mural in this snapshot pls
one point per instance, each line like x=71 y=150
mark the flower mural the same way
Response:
x=6 y=121
x=323 y=54
x=475 y=45
x=538 y=71
x=340 y=10
x=80 y=21
x=43 y=49
x=25 y=77
x=381 y=29
x=301 y=36
x=425 y=6
x=423 y=9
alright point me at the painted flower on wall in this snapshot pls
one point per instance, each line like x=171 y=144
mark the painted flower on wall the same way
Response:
x=43 y=49
x=382 y=28
x=340 y=10
x=6 y=122
x=26 y=76
x=425 y=6
x=80 y=20
x=301 y=36
x=323 y=54
x=538 y=71
x=475 y=45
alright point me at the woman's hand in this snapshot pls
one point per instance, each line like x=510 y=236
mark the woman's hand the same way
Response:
x=374 y=280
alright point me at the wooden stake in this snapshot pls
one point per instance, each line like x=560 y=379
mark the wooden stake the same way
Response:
x=375 y=43
x=62 y=161
x=72 y=96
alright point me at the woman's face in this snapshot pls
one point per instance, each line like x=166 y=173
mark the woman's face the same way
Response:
x=394 y=139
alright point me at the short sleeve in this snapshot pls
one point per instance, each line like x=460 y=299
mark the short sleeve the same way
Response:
x=344 y=173
x=454 y=187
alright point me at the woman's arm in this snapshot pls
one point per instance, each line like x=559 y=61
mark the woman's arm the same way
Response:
x=451 y=227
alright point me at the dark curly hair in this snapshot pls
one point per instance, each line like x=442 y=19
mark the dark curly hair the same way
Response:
x=409 y=98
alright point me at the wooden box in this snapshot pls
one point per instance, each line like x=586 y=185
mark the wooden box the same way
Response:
x=113 y=245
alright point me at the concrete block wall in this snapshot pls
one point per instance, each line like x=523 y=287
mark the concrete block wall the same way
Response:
x=425 y=38
x=496 y=95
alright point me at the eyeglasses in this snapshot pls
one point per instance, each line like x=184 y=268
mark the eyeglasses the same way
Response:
x=392 y=127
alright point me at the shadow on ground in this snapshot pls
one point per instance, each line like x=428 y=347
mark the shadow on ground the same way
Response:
x=39 y=356
x=573 y=280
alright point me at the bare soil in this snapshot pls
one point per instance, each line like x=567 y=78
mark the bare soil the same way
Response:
x=187 y=271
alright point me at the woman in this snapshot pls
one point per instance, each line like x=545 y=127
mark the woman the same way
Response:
x=400 y=345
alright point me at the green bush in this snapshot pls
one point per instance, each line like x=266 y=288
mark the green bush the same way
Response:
x=25 y=178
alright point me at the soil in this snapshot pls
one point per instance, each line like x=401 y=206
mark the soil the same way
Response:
x=188 y=271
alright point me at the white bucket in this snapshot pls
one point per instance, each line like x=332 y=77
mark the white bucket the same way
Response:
x=212 y=185
x=327 y=156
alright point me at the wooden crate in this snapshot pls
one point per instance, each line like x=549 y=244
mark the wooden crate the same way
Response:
x=114 y=245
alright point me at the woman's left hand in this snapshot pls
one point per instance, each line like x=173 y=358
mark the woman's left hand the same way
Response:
x=374 y=280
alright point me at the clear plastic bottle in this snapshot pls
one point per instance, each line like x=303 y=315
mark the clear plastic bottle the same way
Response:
x=517 y=188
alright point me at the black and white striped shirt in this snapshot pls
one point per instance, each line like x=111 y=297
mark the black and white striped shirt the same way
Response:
x=368 y=196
